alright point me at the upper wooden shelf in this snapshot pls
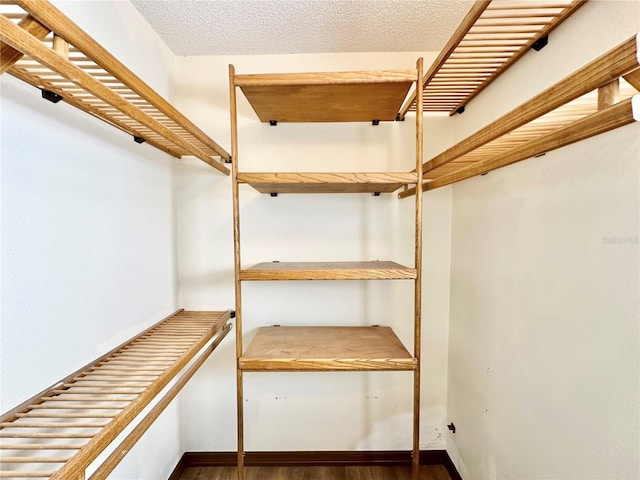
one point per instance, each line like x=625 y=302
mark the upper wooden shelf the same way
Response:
x=601 y=96
x=334 y=182
x=374 y=270
x=61 y=431
x=326 y=349
x=327 y=97
x=492 y=36
x=42 y=47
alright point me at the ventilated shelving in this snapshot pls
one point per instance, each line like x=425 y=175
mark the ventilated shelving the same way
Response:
x=370 y=96
x=492 y=37
x=58 y=433
x=44 y=48
x=600 y=96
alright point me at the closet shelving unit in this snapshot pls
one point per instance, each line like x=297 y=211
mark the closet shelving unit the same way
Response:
x=326 y=97
x=601 y=96
x=58 y=433
x=42 y=47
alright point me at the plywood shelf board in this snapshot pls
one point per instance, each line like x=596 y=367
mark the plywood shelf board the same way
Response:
x=325 y=78
x=334 y=182
x=371 y=270
x=106 y=408
x=327 y=97
x=326 y=349
x=88 y=77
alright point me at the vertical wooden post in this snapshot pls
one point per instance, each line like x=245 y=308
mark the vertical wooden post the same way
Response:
x=418 y=281
x=634 y=79
x=61 y=46
x=608 y=94
x=238 y=285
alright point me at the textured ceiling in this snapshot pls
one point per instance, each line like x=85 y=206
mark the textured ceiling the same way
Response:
x=254 y=27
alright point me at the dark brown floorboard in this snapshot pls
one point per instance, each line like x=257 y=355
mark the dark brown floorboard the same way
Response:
x=427 y=472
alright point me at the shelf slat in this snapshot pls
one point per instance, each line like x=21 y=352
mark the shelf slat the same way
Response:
x=333 y=182
x=327 y=97
x=289 y=349
x=373 y=270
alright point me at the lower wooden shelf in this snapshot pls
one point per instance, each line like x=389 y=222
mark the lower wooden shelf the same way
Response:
x=289 y=349
x=83 y=413
x=372 y=270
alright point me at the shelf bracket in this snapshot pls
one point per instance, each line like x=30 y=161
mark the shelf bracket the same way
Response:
x=53 y=97
x=540 y=43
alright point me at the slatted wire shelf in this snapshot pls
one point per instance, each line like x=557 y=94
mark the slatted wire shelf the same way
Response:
x=58 y=433
x=45 y=49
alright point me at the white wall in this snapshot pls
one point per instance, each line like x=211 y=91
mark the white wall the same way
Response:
x=87 y=230
x=372 y=409
x=544 y=340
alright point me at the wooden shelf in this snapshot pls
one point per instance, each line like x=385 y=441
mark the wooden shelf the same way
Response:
x=492 y=37
x=44 y=48
x=374 y=270
x=327 y=97
x=327 y=182
x=83 y=413
x=326 y=349
x=594 y=99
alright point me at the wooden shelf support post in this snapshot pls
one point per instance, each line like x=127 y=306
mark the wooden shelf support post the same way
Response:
x=236 y=251
x=418 y=281
x=61 y=46
x=608 y=94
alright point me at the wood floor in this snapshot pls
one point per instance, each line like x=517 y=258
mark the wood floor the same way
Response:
x=427 y=472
